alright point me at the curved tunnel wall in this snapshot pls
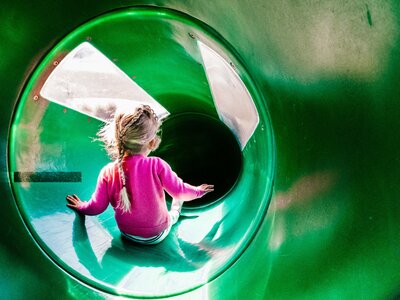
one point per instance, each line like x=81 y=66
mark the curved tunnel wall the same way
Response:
x=330 y=71
x=49 y=140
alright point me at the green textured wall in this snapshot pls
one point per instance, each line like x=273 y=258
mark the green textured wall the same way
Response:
x=330 y=72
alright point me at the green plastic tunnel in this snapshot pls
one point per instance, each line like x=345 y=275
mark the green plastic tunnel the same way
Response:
x=289 y=108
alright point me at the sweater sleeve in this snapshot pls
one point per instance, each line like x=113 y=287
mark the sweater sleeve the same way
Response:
x=174 y=185
x=100 y=199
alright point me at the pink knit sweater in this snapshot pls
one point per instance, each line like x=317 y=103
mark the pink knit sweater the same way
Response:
x=146 y=180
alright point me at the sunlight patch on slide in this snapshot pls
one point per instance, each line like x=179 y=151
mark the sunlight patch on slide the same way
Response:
x=232 y=100
x=88 y=82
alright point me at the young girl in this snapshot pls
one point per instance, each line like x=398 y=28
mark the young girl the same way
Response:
x=134 y=184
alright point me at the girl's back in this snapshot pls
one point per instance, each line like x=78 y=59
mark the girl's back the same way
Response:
x=149 y=214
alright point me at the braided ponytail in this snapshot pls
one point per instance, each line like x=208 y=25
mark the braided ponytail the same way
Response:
x=124 y=203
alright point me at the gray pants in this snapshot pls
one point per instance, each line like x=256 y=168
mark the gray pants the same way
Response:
x=174 y=214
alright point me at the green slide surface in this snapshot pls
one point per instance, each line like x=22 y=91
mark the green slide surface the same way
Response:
x=306 y=205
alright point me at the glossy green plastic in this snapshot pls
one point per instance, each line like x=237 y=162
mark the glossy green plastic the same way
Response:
x=328 y=72
x=198 y=146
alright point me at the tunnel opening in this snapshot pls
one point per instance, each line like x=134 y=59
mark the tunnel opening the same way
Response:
x=201 y=149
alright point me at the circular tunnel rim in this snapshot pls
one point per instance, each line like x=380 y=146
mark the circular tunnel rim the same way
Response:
x=46 y=59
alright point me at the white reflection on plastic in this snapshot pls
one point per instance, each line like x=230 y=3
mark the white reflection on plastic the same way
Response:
x=88 y=82
x=233 y=101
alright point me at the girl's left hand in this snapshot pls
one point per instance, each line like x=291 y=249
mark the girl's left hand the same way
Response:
x=74 y=202
x=207 y=188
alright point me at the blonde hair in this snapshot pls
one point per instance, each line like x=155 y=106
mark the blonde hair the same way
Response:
x=129 y=134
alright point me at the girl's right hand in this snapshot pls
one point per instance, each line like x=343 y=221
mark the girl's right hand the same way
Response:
x=206 y=188
x=74 y=202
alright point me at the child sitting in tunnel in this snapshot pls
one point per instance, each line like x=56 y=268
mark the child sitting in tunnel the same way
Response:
x=134 y=183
